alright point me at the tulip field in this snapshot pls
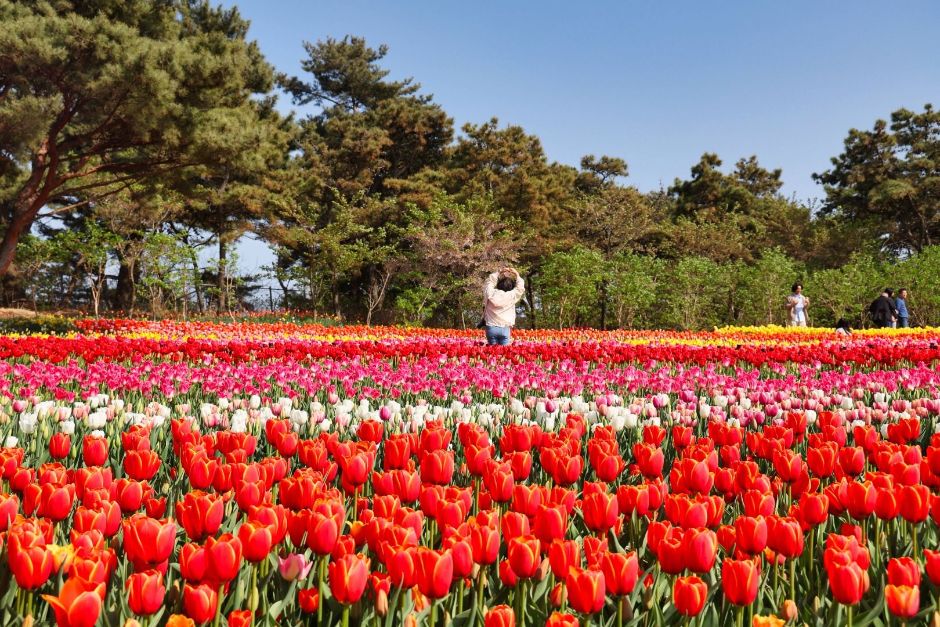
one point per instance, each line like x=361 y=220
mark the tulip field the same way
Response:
x=187 y=473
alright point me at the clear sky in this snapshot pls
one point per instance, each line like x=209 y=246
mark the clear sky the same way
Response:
x=656 y=83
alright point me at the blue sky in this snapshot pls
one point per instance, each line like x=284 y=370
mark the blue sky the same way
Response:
x=656 y=83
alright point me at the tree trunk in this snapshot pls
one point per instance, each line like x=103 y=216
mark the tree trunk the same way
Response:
x=18 y=226
x=531 y=299
x=603 y=291
x=197 y=287
x=125 y=291
x=336 y=307
x=222 y=287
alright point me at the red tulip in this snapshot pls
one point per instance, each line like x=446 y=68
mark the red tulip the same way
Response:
x=241 y=618
x=145 y=592
x=585 y=590
x=55 y=502
x=200 y=514
x=523 y=556
x=847 y=580
x=94 y=450
x=148 y=541
x=256 y=541
x=562 y=556
x=224 y=557
x=322 y=533
x=700 y=547
x=672 y=551
x=194 y=562
x=484 y=544
x=932 y=566
x=308 y=599
x=600 y=512
x=437 y=467
x=903 y=571
x=434 y=571
x=751 y=534
x=785 y=536
x=860 y=499
x=348 y=577
x=30 y=561
x=558 y=619
x=141 y=465
x=689 y=595
x=200 y=602
x=59 y=445
x=621 y=571
x=650 y=460
x=914 y=501
x=739 y=580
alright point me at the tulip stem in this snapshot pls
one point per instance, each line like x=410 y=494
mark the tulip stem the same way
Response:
x=620 y=601
x=345 y=615
x=740 y=616
x=480 y=582
x=321 y=589
x=433 y=613
x=849 y=621
x=520 y=601
x=218 y=608
x=793 y=579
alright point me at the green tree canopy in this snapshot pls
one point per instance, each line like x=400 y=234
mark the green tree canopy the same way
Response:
x=96 y=94
x=887 y=181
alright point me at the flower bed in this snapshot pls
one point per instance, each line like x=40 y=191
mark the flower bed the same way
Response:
x=202 y=473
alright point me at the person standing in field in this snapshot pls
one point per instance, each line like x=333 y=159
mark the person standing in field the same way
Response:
x=882 y=310
x=797 y=304
x=501 y=292
x=900 y=305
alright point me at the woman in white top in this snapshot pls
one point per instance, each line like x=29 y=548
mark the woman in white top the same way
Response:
x=501 y=292
x=797 y=304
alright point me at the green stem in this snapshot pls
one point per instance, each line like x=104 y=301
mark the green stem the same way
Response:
x=218 y=609
x=320 y=581
x=433 y=613
x=620 y=602
x=480 y=580
x=793 y=580
x=345 y=615
x=849 y=621
x=741 y=616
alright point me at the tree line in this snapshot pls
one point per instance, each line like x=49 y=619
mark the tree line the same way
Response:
x=139 y=141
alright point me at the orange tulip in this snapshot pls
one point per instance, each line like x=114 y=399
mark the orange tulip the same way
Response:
x=77 y=604
x=902 y=601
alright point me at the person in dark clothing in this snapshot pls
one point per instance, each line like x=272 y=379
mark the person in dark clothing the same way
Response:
x=882 y=310
x=843 y=328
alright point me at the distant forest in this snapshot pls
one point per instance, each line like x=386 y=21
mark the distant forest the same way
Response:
x=135 y=136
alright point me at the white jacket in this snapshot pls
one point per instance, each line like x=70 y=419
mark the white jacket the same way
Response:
x=499 y=307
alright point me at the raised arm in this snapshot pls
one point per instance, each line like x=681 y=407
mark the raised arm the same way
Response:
x=489 y=287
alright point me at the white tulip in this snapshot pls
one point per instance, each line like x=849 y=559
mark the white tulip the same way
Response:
x=28 y=423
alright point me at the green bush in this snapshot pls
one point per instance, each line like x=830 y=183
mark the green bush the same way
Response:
x=43 y=323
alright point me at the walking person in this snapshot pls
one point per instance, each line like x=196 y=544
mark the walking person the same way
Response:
x=900 y=305
x=501 y=292
x=882 y=310
x=797 y=304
